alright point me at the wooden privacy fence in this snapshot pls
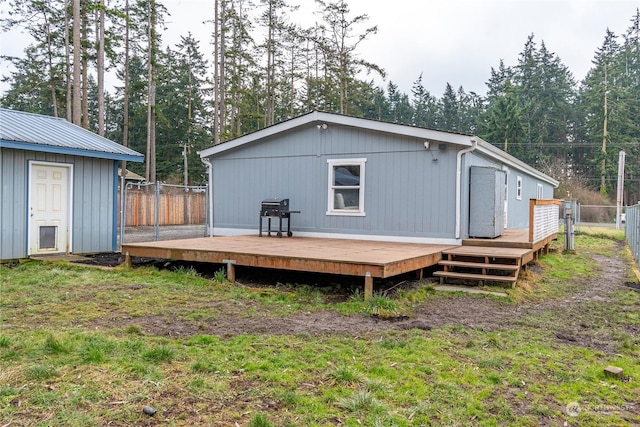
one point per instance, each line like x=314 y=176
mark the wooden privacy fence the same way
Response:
x=174 y=208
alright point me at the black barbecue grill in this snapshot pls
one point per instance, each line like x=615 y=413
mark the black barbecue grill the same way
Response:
x=276 y=208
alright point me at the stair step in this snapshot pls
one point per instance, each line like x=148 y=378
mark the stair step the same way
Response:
x=481 y=252
x=471 y=276
x=505 y=267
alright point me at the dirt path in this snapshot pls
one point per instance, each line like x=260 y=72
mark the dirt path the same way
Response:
x=573 y=318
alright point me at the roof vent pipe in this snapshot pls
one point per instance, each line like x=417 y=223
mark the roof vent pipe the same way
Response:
x=474 y=145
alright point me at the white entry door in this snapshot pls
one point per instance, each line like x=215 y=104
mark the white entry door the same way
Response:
x=49 y=208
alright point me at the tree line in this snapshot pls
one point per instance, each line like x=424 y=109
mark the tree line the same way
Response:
x=169 y=101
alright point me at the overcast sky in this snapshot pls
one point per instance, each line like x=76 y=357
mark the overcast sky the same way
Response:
x=455 y=41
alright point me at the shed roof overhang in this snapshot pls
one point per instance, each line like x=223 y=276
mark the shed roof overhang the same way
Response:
x=20 y=145
x=318 y=117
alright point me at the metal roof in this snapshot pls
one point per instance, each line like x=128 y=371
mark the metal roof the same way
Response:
x=27 y=131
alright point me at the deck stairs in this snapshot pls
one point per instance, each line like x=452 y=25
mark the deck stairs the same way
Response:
x=480 y=264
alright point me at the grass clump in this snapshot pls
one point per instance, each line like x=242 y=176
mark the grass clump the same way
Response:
x=5 y=342
x=380 y=305
x=361 y=401
x=345 y=375
x=220 y=276
x=52 y=345
x=260 y=420
x=41 y=372
x=160 y=354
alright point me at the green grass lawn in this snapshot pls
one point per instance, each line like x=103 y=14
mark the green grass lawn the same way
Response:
x=82 y=346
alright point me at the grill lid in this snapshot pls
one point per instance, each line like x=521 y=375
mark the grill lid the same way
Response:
x=280 y=203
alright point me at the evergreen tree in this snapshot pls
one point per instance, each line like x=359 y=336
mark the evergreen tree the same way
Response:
x=425 y=106
x=502 y=123
x=631 y=131
x=182 y=113
x=448 y=119
x=545 y=91
x=340 y=45
x=602 y=106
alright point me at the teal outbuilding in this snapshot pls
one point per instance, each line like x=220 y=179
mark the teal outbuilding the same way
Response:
x=58 y=187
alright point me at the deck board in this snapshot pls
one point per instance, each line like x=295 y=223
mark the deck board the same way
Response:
x=510 y=238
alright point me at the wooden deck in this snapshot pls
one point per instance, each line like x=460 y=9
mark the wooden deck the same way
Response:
x=335 y=256
x=367 y=259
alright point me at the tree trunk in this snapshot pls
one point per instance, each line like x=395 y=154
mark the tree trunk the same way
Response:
x=100 y=66
x=77 y=101
x=603 y=164
x=269 y=107
x=67 y=66
x=216 y=73
x=223 y=54
x=52 y=76
x=125 y=100
x=85 y=74
x=151 y=96
x=218 y=70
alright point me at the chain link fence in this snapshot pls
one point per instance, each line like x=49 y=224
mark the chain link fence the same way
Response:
x=157 y=211
x=632 y=230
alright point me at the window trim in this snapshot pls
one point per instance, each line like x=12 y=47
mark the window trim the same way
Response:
x=332 y=164
x=518 y=188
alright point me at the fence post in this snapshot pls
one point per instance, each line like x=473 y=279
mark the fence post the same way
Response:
x=123 y=204
x=568 y=228
x=156 y=219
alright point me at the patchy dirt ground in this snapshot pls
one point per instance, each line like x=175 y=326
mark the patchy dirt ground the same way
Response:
x=574 y=318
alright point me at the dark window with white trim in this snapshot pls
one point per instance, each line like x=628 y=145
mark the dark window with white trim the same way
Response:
x=346 y=187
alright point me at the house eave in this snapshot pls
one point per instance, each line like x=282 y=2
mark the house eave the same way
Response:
x=18 y=145
x=337 y=119
x=431 y=135
x=506 y=158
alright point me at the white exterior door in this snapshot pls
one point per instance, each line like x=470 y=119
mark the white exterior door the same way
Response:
x=49 y=208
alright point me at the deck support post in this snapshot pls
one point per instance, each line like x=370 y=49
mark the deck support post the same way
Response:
x=368 y=286
x=231 y=269
x=420 y=274
x=127 y=260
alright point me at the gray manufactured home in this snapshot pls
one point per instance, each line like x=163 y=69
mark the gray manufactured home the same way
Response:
x=58 y=185
x=364 y=179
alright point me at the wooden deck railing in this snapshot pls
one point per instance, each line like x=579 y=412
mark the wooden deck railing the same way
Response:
x=544 y=216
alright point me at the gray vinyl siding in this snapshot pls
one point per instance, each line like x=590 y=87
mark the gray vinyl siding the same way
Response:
x=92 y=209
x=407 y=192
x=518 y=210
x=13 y=205
x=93 y=217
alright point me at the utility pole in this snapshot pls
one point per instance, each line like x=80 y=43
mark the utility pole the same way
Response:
x=185 y=147
x=620 y=198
